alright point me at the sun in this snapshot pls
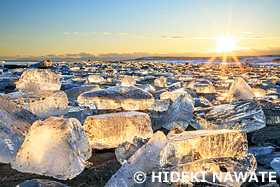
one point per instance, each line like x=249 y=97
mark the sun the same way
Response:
x=226 y=43
x=226 y=46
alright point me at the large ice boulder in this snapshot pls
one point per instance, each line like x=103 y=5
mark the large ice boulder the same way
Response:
x=127 y=98
x=240 y=90
x=242 y=115
x=76 y=91
x=191 y=146
x=209 y=151
x=37 y=80
x=56 y=147
x=109 y=130
x=180 y=113
x=95 y=79
x=192 y=151
x=14 y=124
x=45 y=104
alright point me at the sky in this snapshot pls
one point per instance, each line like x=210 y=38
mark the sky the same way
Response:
x=125 y=29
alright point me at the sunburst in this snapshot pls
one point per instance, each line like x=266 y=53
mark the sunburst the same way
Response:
x=226 y=45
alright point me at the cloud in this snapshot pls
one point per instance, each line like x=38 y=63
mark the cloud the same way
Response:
x=124 y=34
x=263 y=51
x=190 y=38
x=217 y=37
x=148 y=36
x=161 y=36
x=177 y=37
x=13 y=36
x=256 y=37
x=76 y=33
x=255 y=51
x=173 y=37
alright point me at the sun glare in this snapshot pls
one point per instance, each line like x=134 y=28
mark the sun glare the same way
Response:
x=226 y=43
x=226 y=48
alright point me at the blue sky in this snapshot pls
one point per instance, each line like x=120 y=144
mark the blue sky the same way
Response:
x=59 y=28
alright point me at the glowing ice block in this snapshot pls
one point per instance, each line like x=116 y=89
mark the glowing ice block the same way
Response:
x=109 y=130
x=56 y=147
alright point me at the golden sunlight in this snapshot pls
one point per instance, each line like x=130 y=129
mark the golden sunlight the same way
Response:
x=226 y=43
